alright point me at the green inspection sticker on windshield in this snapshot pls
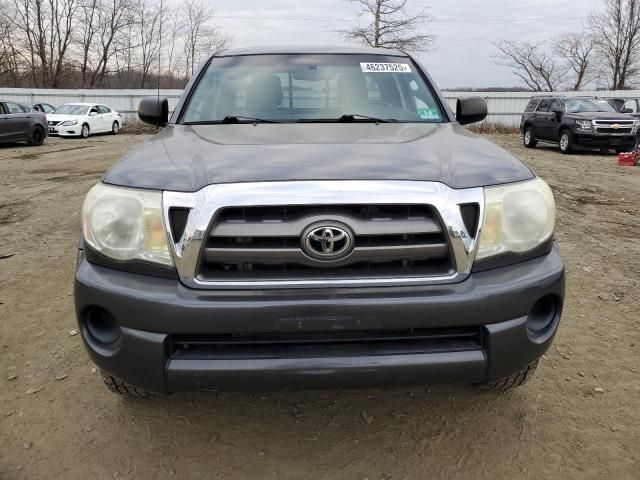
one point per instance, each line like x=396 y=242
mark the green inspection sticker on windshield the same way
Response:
x=428 y=114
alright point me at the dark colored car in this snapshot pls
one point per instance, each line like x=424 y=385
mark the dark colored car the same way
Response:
x=313 y=218
x=43 y=107
x=19 y=124
x=577 y=122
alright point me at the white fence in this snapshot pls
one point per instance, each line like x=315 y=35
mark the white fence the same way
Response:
x=123 y=101
x=504 y=107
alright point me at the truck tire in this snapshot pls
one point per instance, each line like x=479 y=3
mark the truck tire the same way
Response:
x=120 y=387
x=37 y=137
x=566 y=141
x=512 y=381
x=529 y=138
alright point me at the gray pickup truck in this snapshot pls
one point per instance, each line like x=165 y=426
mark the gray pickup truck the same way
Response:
x=314 y=218
x=19 y=124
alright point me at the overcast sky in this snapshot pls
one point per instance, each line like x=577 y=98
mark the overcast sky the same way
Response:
x=465 y=29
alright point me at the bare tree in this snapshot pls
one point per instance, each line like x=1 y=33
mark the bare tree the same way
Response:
x=90 y=43
x=390 y=26
x=576 y=49
x=616 y=32
x=44 y=29
x=200 y=37
x=529 y=62
x=113 y=17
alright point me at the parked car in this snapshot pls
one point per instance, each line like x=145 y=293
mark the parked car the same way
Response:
x=19 y=124
x=311 y=218
x=43 y=107
x=83 y=119
x=575 y=122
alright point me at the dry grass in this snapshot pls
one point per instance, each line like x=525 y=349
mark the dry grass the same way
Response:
x=493 y=128
x=138 y=128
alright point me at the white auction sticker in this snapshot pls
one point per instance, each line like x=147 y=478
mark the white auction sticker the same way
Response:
x=385 y=67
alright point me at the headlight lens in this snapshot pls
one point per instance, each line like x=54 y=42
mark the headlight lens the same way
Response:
x=584 y=124
x=517 y=218
x=126 y=224
x=636 y=126
x=69 y=123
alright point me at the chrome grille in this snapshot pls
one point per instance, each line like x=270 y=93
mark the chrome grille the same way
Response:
x=264 y=243
x=620 y=127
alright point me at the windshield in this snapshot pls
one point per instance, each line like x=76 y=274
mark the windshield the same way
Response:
x=72 y=109
x=296 y=87
x=587 y=105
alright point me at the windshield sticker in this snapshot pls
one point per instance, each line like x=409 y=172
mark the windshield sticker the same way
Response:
x=428 y=114
x=385 y=67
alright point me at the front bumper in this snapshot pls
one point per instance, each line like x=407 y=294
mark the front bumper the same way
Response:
x=152 y=312
x=72 y=131
x=605 y=141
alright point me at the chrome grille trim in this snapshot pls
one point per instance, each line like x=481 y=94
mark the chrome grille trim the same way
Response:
x=625 y=127
x=207 y=202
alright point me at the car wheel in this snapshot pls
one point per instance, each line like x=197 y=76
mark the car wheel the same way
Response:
x=529 y=138
x=37 y=137
x=512 y=381
x=85 y=131
x=120 y=387
x=566 y=141
x=115 y=128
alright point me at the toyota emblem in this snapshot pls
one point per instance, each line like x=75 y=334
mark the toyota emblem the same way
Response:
x=327 y=241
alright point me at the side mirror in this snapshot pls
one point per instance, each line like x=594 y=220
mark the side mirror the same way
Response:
x=154 y=111
x=93 y=114
x=626 y=110
x=471 y=110
x=558 y=114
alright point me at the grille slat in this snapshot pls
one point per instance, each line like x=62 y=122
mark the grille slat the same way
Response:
x=265 y=243
x=295 y=255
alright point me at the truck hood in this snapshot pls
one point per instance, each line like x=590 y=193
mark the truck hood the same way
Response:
x=188 y=158
x=599 y=116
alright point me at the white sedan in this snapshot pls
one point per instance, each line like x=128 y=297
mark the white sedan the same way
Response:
x=83 y=119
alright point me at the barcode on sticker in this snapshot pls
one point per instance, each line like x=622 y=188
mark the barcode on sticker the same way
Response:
x=385 y=67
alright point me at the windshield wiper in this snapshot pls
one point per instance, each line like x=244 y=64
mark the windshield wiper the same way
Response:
x=232 y=119
x=352 y=117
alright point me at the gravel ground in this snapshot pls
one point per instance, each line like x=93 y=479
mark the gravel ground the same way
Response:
x=578 y=418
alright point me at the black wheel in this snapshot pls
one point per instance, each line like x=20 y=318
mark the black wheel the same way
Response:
x=566 y=141
x=37 y=137
x=120 y=387
x=115 y=128
x=85 y=131
x=529 y=138
x=512 y=381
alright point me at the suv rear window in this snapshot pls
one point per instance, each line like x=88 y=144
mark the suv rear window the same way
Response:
x=319 y=87
x=544 y=105
x=531 y=106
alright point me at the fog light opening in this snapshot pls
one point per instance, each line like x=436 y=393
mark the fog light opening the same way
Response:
x=542 y=314
x=102 y=326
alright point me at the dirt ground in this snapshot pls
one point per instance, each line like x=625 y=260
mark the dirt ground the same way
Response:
x=578 y=418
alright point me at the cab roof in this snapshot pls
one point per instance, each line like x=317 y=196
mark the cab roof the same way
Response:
x=310 y=49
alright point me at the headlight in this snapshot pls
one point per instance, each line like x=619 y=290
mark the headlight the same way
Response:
x=126 y=224
x=68 y=123
x=584 y=124
x=517 y=218
x=636 y=126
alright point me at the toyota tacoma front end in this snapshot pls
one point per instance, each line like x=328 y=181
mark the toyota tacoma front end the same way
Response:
x=314 y=218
